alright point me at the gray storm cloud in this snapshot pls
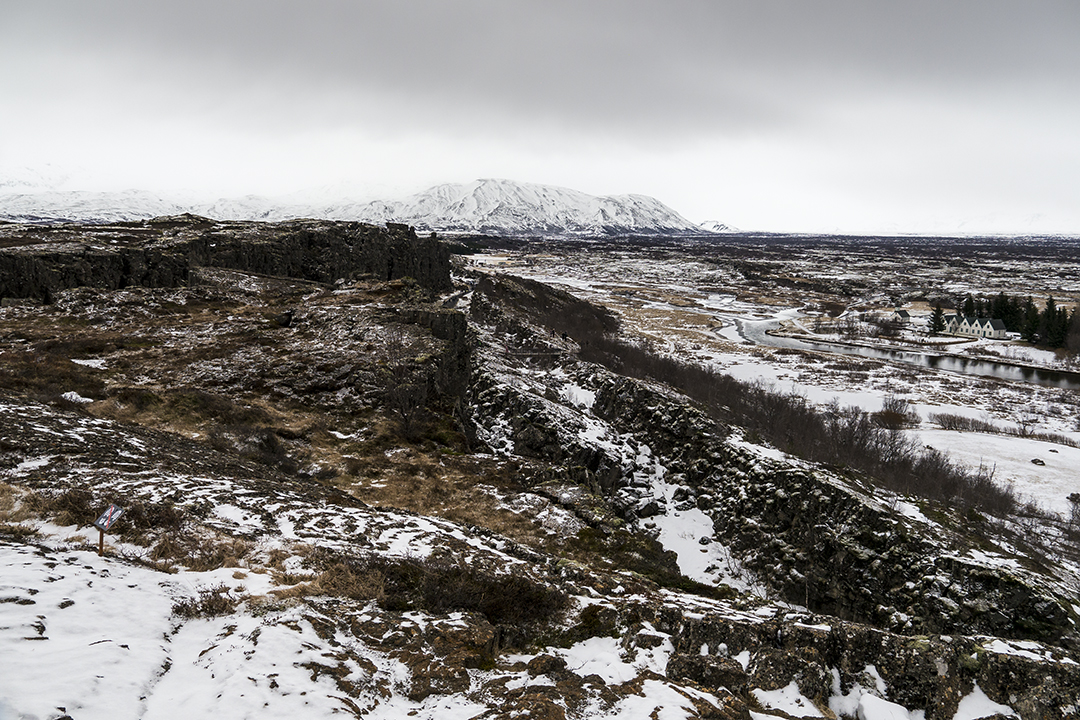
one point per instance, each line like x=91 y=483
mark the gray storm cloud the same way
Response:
x=625 y=64
x=850 y=99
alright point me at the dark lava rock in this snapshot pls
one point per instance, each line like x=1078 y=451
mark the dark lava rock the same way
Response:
x=36 y=262
x=544 y=664
x=709 y=672
x=773 y=669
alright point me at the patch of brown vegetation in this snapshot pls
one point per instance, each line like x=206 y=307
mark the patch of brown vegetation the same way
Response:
x=198 y=554
x=210 y=602
x=15 y=513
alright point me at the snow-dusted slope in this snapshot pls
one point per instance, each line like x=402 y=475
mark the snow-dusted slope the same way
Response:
x=85 y=206
x=715 y=226
x=504 y=206
x=500 y=207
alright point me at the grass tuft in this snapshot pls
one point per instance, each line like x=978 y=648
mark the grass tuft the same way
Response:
x=210 y=602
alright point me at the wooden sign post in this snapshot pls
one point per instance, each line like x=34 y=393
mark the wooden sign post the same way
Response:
x=105 y=522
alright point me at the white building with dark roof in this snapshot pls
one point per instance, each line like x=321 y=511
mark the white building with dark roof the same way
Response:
x=975 y=327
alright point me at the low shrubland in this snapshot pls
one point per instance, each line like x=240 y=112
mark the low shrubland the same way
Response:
x=842 y=437
x=949 y=421
x=845 y=438
x=433 y=585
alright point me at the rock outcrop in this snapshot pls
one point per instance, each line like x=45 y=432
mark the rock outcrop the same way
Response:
x=815 y=536
x=38 y=261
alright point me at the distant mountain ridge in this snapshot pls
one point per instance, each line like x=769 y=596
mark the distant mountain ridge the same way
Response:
x=495 y=207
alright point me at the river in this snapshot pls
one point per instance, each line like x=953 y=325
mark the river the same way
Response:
x=756 y=331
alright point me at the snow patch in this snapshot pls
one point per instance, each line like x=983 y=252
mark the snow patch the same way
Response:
x=72 y=396
x=977 y=705
x=787 y=699
x=96 y=363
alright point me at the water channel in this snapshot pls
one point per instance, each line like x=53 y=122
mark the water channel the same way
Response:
x=757 y=332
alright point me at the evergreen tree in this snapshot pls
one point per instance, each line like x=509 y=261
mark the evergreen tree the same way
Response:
x=1013 y=315
x=969 y=307
x=999 y=307
x=1072 y=335
x=1056 y=324
x=937 y=320
x=1030 y=329
x=1048 y=322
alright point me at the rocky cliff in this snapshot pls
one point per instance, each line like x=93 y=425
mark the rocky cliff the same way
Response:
x=815 y=537
x=38 y=261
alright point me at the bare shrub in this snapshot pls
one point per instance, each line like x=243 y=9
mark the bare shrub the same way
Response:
x=406 y=380
x=142 y=516
x=199 y=554
x=71 y=507
x=843 y=437
x=210 y=602
x=949 y=421
x=896 y=413
x=886 y=328
x=437 y=586
x=1073 y=528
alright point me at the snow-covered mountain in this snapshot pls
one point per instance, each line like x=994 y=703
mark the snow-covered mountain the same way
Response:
x=497 y=207
x=715 y=226
x=504 y=206
x=83 y=206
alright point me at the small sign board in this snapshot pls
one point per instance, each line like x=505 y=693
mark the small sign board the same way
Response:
x=108 y=517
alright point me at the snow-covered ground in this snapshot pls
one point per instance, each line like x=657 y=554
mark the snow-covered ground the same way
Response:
x=674 y=302
x=91 y=637
x=1010 y=460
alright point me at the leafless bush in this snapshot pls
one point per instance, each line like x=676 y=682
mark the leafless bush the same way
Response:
x=845 y=437
x=210 y=602
x=437 y=586
x=71 y=507
x=850 y=327
x=885 y=327
x=1072 y=531
x=949 y=421
x=896 y=413
x=406 y=380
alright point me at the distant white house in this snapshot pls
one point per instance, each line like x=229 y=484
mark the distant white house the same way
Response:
x=902 y=316
x=975 y=327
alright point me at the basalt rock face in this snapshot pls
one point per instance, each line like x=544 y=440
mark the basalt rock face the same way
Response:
x=821 y=542
x=831 y=659
x=823 y=539
x=38 y=261
x=323 y=251
x=40 y=270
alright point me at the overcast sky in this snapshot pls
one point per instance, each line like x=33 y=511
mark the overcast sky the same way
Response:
x=792 y=115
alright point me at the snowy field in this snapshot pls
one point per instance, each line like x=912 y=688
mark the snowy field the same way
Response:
x=676 y=302
x=1010 y=460
x=94 y=638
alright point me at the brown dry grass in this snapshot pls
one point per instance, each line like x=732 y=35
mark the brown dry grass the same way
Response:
x=431 y=584
x=15 y=512
x=199 y=554
x=72 y=507
x=444 y=486
x=338 y=580
x=210 y=602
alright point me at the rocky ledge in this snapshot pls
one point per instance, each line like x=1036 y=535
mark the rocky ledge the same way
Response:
x=37 y=261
